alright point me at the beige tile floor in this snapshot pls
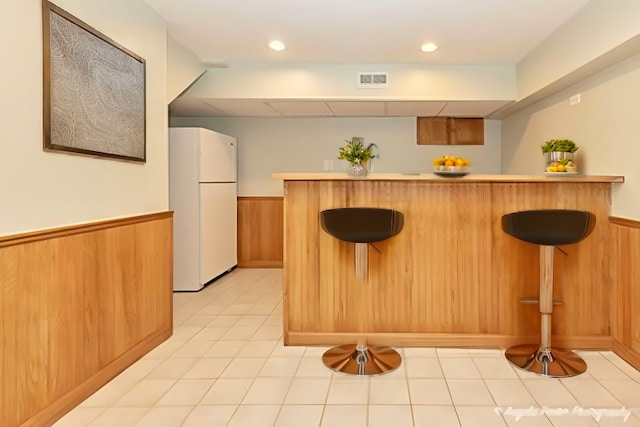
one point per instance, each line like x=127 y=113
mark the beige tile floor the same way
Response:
x=225 y=365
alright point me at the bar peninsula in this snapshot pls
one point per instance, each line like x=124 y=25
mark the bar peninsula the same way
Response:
x=451 y=277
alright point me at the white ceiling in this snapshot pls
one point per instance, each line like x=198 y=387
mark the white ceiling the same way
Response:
x=468 y=32
x=371 y=31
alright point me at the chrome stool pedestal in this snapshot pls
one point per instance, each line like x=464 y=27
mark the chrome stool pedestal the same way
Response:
x=550 y=362
x=362 y=226
x=362 y=359
x=547 y=228
x=542 y=358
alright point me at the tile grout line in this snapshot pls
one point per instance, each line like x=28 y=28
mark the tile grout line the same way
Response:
x=453 y=404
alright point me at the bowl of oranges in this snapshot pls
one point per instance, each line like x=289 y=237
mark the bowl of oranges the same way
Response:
x=562 y=165
x=451 y=165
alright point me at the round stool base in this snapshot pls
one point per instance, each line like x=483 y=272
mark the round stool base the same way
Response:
x=553 y=362
x=367 y=360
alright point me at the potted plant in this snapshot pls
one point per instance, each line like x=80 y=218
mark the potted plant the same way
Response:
x=559 y=146
x=559 y=152
x=357 y=155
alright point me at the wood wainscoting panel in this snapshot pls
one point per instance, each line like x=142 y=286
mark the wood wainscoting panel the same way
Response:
x=50 y=330
x=3 y=336
x=77 y=303
x=625 y=280
x=118 y=295
x=260 y=232
x=154 y=256
x=134 y=302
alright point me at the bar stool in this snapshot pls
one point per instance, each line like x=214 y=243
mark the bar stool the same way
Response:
x=547 y=228
x=362 y=226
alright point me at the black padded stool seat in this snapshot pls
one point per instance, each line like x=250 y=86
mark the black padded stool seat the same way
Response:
x=361 y=226
x=547 y=228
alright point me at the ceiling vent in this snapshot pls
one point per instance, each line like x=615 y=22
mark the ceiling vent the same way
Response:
x=373 y=80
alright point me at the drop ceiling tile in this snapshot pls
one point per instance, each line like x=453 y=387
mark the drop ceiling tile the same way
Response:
x=357 y=108
x=192 y=107
x=295 y=108
x=414 y=108
x=471 y=108
x=243 y=107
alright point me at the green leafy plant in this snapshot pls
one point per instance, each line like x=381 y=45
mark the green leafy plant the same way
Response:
x=355 y=152
x=563 y=145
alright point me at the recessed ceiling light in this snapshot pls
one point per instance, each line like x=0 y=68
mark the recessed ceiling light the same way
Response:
x=428 y=47
x=277 y=45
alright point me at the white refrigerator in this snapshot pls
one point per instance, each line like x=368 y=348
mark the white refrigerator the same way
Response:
x=203 y=197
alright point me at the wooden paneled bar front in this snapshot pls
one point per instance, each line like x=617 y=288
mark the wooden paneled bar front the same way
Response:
x=452 y=277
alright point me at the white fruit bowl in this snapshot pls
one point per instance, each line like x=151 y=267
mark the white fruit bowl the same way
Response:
x=451 y=168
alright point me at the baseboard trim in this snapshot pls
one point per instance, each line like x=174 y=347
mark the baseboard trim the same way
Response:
x=58 y=408
x=260 y=264
x=445 y=340
x=629 y=355
x=268 y=198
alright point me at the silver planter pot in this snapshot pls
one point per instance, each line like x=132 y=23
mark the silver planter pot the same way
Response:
x=554 y=156
x=357 y=170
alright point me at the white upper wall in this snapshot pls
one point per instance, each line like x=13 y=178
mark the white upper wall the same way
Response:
x=268 y=145
x=599 y=27
x=338 y=81
x=46 y=189
x=604 y=125
x=183 y=68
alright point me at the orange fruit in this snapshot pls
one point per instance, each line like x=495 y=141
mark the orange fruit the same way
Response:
x=448 y=163
x=460 y=162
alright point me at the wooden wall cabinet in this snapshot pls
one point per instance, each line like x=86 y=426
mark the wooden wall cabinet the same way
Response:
x=450 y=131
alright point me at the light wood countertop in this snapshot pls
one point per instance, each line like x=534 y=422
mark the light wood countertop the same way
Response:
x=435 y=178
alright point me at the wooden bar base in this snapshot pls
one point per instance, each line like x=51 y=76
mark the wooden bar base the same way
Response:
x=452 y=277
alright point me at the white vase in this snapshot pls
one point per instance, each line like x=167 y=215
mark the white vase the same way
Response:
x=357 y=170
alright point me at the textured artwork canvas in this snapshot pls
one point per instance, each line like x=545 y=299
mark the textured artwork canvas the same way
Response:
x=94 y=91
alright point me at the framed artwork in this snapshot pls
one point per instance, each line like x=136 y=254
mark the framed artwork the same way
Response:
x=94 y=91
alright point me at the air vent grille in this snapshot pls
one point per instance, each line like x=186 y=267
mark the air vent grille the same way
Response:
x=373 y=79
